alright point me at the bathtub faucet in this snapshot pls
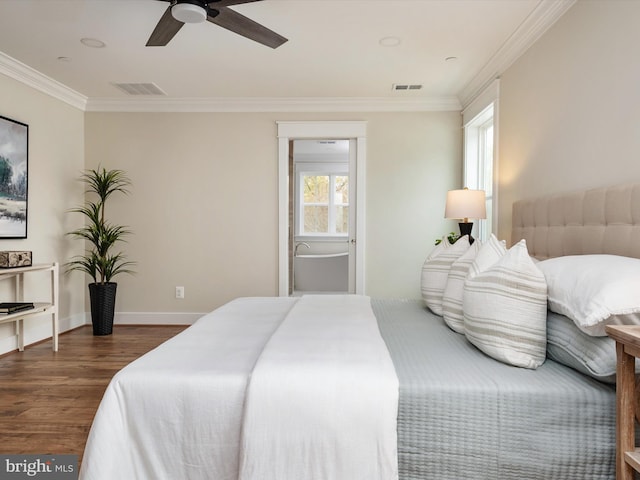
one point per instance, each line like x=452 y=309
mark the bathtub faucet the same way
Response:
x=298 y=245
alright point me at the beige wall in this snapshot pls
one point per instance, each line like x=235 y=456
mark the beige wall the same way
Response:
x=204 y=202
x=568 y=107
x=413 y=160
x=56 y=156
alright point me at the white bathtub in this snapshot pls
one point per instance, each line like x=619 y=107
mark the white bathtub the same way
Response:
x=321 y=273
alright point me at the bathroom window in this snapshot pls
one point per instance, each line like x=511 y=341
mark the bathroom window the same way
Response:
x=324 y=204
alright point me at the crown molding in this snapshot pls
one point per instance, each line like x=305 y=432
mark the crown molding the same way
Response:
x=531 y=29
x=28 y=76
x=31 y=77
x=546 y=13
x=285 y=104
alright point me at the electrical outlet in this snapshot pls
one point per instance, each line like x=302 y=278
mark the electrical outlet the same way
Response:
x=179 y=292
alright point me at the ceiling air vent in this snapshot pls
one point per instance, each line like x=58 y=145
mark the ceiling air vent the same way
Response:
x=406 y=86
x=139 y=88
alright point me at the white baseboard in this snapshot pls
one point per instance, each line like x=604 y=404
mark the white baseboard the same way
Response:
x=8 y=344
x=39 y=328
x=75 y=321
x=155 y=318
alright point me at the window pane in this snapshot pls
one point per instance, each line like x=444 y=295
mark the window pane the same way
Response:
x=316 y=189
x=316 y=219
x=342 y=189
x=487 y=160
x=342 y=219
x=479 y=163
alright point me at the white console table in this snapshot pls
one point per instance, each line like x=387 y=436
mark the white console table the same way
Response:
x=49 y=308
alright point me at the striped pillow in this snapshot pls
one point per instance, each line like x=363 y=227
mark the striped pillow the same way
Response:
x=492 y=250
x=478 y=257
x=452 y=297
x=436 y=270
x=505 y=310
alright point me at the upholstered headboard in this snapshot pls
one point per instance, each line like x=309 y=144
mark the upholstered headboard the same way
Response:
x=601 y=220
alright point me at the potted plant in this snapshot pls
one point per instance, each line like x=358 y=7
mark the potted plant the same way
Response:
x=452 y=237
x=100 y=260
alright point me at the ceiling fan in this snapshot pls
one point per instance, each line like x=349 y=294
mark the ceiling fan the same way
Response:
x=180 y=12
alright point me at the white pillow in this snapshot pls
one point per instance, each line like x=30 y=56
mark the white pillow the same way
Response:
x=505 y=310
x=436 y=270
x=452 y=296
x=594 y=290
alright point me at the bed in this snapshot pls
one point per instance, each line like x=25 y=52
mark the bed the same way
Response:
x=435 y=407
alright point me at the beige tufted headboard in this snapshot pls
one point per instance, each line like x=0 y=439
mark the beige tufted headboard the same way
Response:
x=601 y=220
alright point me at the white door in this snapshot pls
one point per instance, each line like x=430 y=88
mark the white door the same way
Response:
x=353 y=204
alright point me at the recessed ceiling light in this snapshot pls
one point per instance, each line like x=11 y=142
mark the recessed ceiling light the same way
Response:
x=92 y=43
x=390 y=41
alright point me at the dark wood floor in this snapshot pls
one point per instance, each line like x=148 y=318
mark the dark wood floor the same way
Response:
x=48 y=399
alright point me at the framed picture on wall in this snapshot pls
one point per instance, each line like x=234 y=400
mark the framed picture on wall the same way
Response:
x=14 y=162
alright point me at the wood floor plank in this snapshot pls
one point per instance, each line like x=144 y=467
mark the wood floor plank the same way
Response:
x=48 y=399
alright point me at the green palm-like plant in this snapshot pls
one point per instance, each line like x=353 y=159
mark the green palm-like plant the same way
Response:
x=99 y=261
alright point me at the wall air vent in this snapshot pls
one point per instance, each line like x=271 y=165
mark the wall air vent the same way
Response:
x=406 y=86
x=139 y=88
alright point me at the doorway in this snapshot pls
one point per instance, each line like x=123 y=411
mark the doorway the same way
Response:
x=321 y=260
x=325 y=249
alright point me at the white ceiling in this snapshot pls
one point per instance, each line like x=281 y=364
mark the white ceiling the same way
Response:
x=333 y=53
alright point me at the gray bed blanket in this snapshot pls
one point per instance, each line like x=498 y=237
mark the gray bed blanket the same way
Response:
x=463 y=415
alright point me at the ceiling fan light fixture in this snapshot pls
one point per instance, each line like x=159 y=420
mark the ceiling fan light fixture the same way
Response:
x=188 y=13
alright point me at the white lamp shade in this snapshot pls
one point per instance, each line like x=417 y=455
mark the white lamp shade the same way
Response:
x=188 y=13
x=465 y=204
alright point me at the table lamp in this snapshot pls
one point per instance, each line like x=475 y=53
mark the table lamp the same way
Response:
x=463 y=205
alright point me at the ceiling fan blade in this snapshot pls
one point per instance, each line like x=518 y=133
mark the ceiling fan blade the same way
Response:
x=237 y=23
x=165 y=30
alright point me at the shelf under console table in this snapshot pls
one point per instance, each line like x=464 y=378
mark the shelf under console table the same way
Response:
x=40 y=308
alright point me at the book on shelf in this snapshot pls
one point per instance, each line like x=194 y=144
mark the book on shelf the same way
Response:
x=12 y=307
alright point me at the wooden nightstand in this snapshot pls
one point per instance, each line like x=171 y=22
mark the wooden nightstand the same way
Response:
x=627 y=349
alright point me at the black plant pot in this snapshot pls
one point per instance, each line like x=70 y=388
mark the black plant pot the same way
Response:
x=103 y=303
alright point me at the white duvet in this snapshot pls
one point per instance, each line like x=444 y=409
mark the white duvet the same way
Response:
x=262 y=388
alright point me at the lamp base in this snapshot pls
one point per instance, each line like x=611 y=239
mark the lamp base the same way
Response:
x=465 y=229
